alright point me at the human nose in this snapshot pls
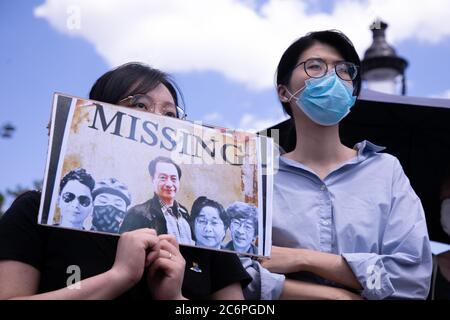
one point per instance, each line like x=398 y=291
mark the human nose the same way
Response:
x=75 y=203
x=208 y=227
x=241 y=229
x=168 y=184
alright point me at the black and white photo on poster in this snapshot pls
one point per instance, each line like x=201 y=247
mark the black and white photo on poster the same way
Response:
x=117 y=170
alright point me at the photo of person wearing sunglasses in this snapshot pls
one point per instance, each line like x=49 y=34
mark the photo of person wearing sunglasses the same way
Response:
x=75 y=198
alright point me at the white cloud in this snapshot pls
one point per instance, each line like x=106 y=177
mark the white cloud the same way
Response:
x=443 y=95
x=212 y=117
x=252 y=123
x=230 y=36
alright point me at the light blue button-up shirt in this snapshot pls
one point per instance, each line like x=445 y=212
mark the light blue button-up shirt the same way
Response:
x=367 y=212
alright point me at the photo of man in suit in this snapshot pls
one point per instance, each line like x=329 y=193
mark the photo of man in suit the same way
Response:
x=162 y=212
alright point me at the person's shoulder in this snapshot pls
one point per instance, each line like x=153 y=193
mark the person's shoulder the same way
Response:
x=387 y=159
x=373 y=151
x=140 y=208
x=32 y=196
x=26 y=203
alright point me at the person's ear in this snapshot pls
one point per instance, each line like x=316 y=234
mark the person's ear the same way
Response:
x=282 y=93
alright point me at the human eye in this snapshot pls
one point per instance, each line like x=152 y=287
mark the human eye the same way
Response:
x=342 y=67
x=170 y=114
x=169 y=110
x=314 y=65
x=140 y=105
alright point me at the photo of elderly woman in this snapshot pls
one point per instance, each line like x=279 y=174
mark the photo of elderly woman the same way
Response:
x=209 y=222
x=111 y=200
x=243 y=219
x=75 y=198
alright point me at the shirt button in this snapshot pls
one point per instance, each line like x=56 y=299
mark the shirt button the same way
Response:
x=325 y=222
x=323 y=187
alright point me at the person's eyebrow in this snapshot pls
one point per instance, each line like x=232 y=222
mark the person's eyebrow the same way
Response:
x=332 y=61
x=169 y=105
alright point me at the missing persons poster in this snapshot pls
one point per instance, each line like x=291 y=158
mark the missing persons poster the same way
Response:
x=112 y=169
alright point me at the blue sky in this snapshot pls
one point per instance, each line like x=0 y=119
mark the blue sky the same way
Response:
x=224 y=65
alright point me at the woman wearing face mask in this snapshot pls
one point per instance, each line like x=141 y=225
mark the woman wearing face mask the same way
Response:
x=343 y=217
x=36 y=262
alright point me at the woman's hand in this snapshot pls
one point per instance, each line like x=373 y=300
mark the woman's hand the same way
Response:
x=166 y=272
x=131 y=255
x=283 y=260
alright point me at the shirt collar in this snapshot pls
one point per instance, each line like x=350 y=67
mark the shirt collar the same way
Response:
x=166 y=209
x=365 y=149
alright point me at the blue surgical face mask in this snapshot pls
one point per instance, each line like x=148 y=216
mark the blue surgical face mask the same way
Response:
x=326 y=100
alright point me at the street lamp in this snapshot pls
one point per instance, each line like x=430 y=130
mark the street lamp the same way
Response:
x=382 y=68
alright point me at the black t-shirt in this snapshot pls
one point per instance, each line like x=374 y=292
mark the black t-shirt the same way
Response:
x=53 y=250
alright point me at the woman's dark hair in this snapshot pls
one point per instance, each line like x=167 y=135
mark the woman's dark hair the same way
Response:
x=81 y=176
x=202 y=202
x=130 y=79
x=333 y=38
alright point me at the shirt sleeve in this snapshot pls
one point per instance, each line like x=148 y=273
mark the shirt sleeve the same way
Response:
x=20 y=235
x=402 y=269
x=226 y=269
x=265 y=285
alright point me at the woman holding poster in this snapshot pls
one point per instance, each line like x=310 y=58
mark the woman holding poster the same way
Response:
x=39 y=262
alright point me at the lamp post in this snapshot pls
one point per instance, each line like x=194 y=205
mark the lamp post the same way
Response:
x=382 y=68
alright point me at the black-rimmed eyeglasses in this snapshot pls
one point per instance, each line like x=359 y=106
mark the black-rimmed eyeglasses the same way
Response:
x=317 y=68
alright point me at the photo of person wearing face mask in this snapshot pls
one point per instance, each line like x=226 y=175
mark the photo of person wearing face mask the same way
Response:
x=111 y=200
x=75 y=198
